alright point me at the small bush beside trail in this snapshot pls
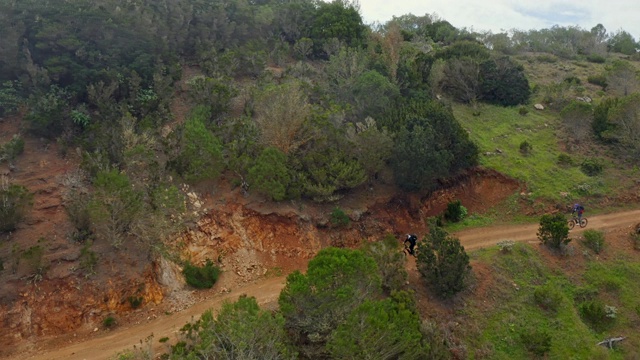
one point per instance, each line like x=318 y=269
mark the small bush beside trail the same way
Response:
x=201 y=277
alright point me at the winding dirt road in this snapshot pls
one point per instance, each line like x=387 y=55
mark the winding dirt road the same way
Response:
x=106 y=344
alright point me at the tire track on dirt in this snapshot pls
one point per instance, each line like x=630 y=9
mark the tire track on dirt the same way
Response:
x=105 y=345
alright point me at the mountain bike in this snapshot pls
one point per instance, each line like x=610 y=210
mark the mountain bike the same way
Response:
x=574 y=221
x=407 y=246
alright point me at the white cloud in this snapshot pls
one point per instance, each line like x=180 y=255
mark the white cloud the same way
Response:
x=497 y=15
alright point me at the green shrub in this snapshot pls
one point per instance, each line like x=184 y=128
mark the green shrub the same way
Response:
x=597 y=314
x=596 y=58
x=591 y=167
x=547 y=297
x=14 y=201
x=109 y=321
x=594 y=240
x=523 y=110
x=565 y=160
x=572 y=80
x=546 y=58
x=339 y=218
x=525 y=147
x=135 y=301
x=201 y=277
x=536 y=341
x=443 y=262
x=11 y=150
x=88 y=260
x=600 y=80
x=455 y=212
x=269 y=174
x=553 y=230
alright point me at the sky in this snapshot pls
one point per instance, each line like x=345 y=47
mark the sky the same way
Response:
x=504 y=15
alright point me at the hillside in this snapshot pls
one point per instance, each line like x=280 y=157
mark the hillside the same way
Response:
x=137 y=141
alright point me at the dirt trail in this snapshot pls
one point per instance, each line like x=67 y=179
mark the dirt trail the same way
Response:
x=106 y=344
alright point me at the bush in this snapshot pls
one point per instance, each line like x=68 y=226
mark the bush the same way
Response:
x=135 y=301
x=201 y=277
x=391 y=262
x=572 y=80
x=547 y=297
x=597 y=314
x=594 y=240
x=553 y=230
x=14 y=200
x=523 y=110
x=455 y=212
x=596 y=58
x=109 y=321
x=506 y=246
x=591 y=167
x=269 y=175
x=599 y=80
x=547 y=58
x=88 y=260
x=339 y=218
x=536 y=341
x=525 y=147
x=565 y=160
x=9 y=97
x=443 y=263
x=11 y=150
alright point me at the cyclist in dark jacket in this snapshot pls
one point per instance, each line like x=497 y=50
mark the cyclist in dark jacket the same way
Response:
x=412 y=239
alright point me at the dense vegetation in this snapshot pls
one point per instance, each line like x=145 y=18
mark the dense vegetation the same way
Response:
x=302 y=100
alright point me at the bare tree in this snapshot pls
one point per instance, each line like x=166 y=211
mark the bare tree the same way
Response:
x=281 y=116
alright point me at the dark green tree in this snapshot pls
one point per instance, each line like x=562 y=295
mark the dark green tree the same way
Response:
x=200 y=155
x=372 y=94
x=417 y=160
x=337 y=19
x=442 y=262
x=554 y=230
x=241 y=330
x=384 y=329
x=503 y=82
x=601 y=125
x=314 y=304
x=430 y=144
x=270 y=175
x=623 y=42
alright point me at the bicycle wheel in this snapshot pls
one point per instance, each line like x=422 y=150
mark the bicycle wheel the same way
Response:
x=571 y=224
x=583 y=222
x=407 y=245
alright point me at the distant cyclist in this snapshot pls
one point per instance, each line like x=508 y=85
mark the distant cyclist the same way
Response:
x=412 y=239
x=578 y=209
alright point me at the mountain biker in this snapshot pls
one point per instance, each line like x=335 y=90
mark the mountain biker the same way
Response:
x=577 y=208
x=412 y=239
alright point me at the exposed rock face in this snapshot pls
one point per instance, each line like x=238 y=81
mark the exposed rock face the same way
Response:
x=248 y=239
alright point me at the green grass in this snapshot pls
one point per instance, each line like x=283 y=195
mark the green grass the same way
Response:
x=505 y=129
x=518 y=274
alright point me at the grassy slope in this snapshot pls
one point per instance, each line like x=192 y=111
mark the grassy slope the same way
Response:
x=547 y=182
x=518 y=273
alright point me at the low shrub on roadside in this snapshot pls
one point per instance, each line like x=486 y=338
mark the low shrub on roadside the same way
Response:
x=201 y=277
x=594 y=240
